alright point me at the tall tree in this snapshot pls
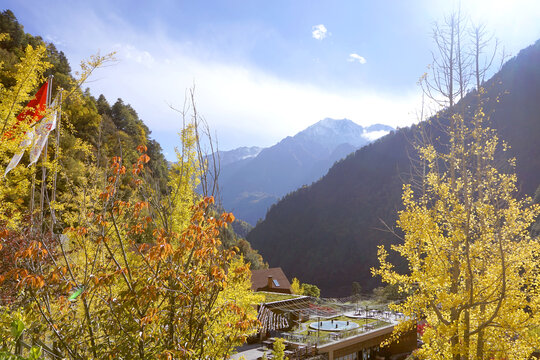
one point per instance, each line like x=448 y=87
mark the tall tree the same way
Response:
x=472 y=264
x=25 y=78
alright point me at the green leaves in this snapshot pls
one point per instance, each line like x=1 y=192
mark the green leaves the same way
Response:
x=35 y=353
x=17 y=328
x=76 y=294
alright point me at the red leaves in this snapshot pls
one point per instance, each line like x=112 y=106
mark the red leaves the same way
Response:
x=104 y=196
x=138 y=206
x=33 y=252
x=116 y=167
x=242 y=269
x=137 y=229
x=137 y=168
x=81 y=231
x=218 y=273
x=142 y=248
x=35 y=282
x=143 y=159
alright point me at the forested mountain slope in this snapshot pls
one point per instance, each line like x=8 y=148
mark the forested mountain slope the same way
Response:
x=327 y=233
x=107 y=130
x=252 y=184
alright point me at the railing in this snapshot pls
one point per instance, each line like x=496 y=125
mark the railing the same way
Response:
x=325 y=337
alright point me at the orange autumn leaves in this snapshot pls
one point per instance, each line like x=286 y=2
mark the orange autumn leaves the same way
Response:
x=146 y=291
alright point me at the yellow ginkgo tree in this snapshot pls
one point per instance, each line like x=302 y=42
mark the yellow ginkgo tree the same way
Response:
x=26 y=76
x=472 y=265
x=473 y=268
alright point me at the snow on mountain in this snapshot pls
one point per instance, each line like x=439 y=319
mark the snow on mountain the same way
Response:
x=252 y=179
x=331 y=132
x=238 y=154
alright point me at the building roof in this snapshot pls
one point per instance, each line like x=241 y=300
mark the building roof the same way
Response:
x=279 y=282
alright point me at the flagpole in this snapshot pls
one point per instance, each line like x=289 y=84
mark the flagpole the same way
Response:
x=58 y=119
x=44 y=159
x=32 y=196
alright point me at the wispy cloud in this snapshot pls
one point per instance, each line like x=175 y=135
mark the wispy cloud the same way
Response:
x=355 y=57
x=319 y=32
x=132 y=53
x=244 y=104
x=239 y=102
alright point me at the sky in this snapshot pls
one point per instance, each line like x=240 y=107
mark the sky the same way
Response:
x=264 y=70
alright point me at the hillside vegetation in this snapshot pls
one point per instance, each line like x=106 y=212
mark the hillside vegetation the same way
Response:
x=105 y=251
x=327 y=233
x=94 y=130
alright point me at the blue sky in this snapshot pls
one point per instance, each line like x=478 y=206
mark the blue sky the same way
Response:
x=264 y=70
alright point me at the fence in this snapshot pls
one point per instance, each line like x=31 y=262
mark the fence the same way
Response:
x=325 y=337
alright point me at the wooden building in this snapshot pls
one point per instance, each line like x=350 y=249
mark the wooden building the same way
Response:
x=273 y=280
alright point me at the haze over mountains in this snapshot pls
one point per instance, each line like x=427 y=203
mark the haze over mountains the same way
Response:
x=252 y=179
x=327 y=233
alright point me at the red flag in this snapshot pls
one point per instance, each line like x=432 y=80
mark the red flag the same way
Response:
x=36 y=107
x=34 y=110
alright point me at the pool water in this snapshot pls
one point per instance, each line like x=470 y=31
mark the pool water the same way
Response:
x=334 y=325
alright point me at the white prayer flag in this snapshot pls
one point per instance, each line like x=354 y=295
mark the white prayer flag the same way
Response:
x=45 y=126
x=26 y=142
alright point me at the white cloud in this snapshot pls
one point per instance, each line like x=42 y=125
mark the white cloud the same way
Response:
x=244 y=105
x=374 y=135
x=319 y=32
x=355 y=57
x=55 y=40
x=132 y=53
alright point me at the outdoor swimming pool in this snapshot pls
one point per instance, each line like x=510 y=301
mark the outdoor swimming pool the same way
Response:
x=334 y=325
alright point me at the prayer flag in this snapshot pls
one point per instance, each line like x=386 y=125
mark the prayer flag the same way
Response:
x=43 y=129
x=34 y=110
x=26 y=142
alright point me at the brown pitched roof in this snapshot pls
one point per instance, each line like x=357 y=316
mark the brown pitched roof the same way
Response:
x=259 y=280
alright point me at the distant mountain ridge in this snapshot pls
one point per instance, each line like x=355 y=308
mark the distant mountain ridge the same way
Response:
x=252 y=179
x=331 y=133
x=327 y=233
x=238 y=154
